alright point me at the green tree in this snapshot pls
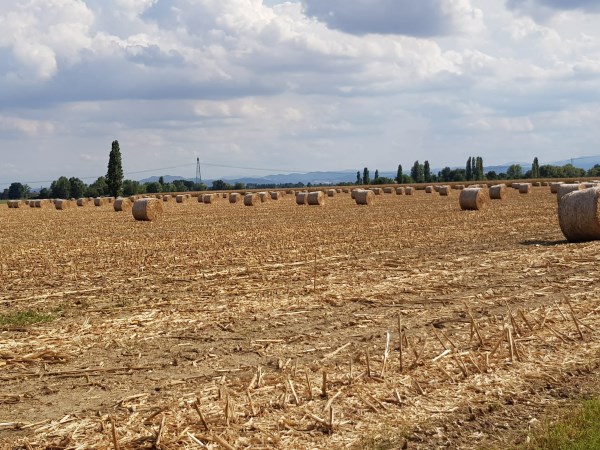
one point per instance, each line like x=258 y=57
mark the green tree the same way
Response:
x=491 y=175
x=44 y=193
x=114 y=176
x=78 y=187
x=417 y=172
x=17 y=191
x=399 y=174
x=594 y=171
x=239 y=186
x=376 y=175
x=97 y=188
x=514 y=172
x=366 y=178
x=61 y=188
x=426 y=172
x=153 y=188
x=535 y=168
x=161 y=180
x=220 y=185
x=469 y=170
x=479 y=166
x=358 y=179
x=131 y=187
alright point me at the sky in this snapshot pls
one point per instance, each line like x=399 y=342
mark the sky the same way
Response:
x=255 y=87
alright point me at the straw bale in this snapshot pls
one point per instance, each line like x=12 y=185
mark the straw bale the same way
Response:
x=428 y=189
x=224 y=195
x=364 y=197
x=409 y=190
x=181 y=198
x=444 y=191
x=234 y=197
x=473 y=199
x=264 y=197
x=400 y=190
x=82 y=201
x=524 y=188
x=589 y=184
x=377 y=191
x=579 y=215
x=516 y=186
x=275 y=195
x=147 y=209
x=338 y=191
x=122 y=204
x=388 y=190
x=353 y=194
x=251 y=199
x=207 y=198
x=165 y=198
x=345 y=190
x=302 y=198
x=291 y=192
x=61 y=204
x=459 y=187
x=331 y=192
x=100 y=201
x=43 y=203
x=544 y=183
x=554 y=187
x=32 y=203
x=110 y=200
x=537 y=184
x=316 y=198
x=498 y=191
x=564 y=189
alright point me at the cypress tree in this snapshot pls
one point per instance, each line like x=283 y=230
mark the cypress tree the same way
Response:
x=399 y=174
x=358 y=177
x=366 y=177
x=426 y=172
x=469 y=170
x=114 y=176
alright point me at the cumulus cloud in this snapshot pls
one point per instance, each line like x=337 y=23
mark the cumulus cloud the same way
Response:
x=402 y=17
x=544 y=9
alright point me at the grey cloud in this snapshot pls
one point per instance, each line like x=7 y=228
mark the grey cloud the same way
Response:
x=543 y=9
x=404 y=17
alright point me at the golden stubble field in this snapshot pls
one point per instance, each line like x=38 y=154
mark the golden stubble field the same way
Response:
x=277 y=326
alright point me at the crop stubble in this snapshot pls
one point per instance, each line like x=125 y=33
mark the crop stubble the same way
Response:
x=211 y=323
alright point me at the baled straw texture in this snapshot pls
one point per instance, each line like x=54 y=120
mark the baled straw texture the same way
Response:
x=554 y=186
x=316 y=198
x=564 y=189
x=264 y=197
x=473 y=199
x=165 y=198
x=275 y=195
x=61 y=204
x=537 y=184
x=409 y=190
x=331 y=192
x=516 y=186
x=147 y=209
x=180 y=198
x=208 y=198
x=444 y=191
x=429 y=189
x=224 y=195
x=122 y=204
x=579 y=215
x=364 y=197
x=302 y=198
x=459 y=187
x=234 y=197
x=388 y=190
x=353 y=194
x=100 y=201
x=400 y=190
x=377 y=191
x=251 y=199
x=524 y=188
x=82 y=202
x=498 y=191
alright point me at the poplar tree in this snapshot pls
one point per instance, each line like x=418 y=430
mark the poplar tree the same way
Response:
x=114 y=176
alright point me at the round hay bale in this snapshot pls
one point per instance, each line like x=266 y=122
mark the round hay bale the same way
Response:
x=377 y=191
x=147 y=209
x=61 y=204
x=208 y=199
x=32 y=203
x=353 y=193
x=331 y=192
x=565 y=188
x=364 y=197
x=10 y=204
x=316 y=198
x=588 y=185
x=100 y=201
x=122 y=204
x=345 y=190
x=224 y=195
x=165 y=198
x=459 y=187
x=498 y=191
x=43 y=203
x=264 y=197
x=251 y=199
x=554 y=187
x=537 y=184
x=579 y=215
x=110 y=200
x=524 y=188
x=388 y=190
x=444 y=191
x=275 y=195
x=473 y=199
x=234 y=197
x=338 y=191
x=516 y=186
x=291 y=192
x=302 y=198
x=181 y=198
x=14 y=203
x=545 y=183
x=400 y=190
x=409 y=190
x=429 y=189
x=82 y=201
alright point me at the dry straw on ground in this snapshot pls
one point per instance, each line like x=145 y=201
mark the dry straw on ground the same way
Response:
x=147 y=209
x=473 y=199
x=579 y=215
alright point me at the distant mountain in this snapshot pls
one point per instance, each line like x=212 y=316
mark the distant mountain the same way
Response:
x=166 y=178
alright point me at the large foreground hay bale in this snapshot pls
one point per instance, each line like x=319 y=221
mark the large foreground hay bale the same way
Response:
x=473 y=199
x=32 y=203
x=234 y=197
x=302 y=198
x=364 y=197
x=147 y=209
x=251 y=199
x=409 y=190
x=316 y=198
x=579 y=215
x=564 y=189
x=122 y=204
x=498 y=191
x=524 y=188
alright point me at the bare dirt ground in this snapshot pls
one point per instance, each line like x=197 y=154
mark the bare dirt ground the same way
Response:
x=213 y=327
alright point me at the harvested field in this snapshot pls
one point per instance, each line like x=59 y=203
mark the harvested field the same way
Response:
x=217 y=325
